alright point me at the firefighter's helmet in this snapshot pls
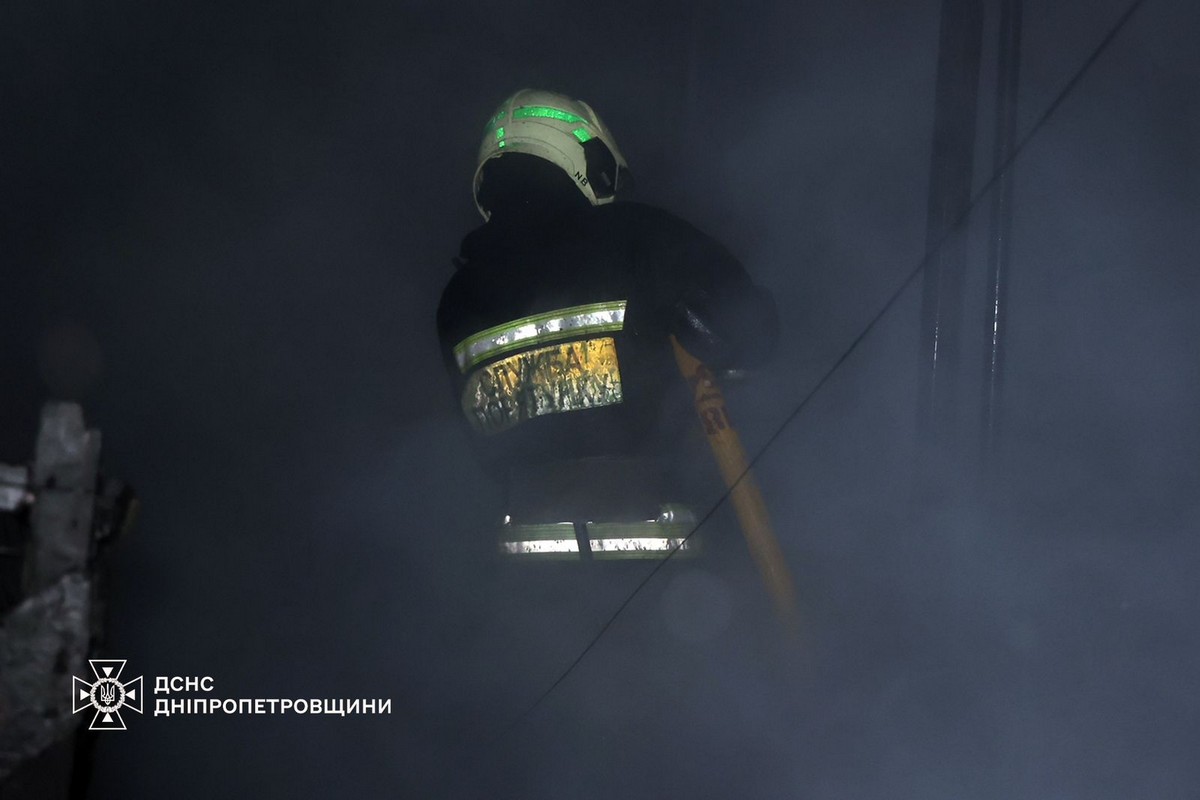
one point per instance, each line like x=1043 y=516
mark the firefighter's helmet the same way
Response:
x=563 y=131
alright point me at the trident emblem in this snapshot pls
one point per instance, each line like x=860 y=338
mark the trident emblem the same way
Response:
x=108 y=695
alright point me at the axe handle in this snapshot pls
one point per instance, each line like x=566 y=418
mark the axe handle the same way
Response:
x=743 y=488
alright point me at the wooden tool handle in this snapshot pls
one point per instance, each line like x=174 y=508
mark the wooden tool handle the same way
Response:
x=743 y=488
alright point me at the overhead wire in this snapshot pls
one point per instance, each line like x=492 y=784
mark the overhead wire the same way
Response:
x=953 y=230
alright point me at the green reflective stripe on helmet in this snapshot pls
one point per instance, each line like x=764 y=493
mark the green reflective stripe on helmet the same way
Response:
x=540 y=329
x=500 y=133
x=549 y=113
x=557 y=129
x=496 y=120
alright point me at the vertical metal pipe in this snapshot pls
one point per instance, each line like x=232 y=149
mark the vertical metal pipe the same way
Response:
x=951 y=171
x=1007 y=79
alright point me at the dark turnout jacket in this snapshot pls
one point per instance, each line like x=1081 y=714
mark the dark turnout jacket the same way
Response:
x=555 y=334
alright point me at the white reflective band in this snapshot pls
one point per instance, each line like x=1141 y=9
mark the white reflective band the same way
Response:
x=539 y=329
x=541 y=546
x=644 y=544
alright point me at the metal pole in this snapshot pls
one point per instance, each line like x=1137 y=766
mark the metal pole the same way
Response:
x=1019 y=747
x=1007 y=77
x=951 y=171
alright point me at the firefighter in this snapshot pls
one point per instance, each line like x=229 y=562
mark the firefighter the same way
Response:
x=555 y=329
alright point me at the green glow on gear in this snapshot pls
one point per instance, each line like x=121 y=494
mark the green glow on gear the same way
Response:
x=555 y=128
x=496 y=120
x=499 y=133
x=549 y=113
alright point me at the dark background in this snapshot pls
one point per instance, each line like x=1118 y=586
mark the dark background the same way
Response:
x=226 y=227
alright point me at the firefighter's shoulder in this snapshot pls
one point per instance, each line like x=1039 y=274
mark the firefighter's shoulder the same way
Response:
x=642 y=216
x=655 y=225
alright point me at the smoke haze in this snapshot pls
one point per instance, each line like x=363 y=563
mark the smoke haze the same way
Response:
x=227 y=227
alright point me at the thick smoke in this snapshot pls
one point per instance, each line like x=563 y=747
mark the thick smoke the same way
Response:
x=230 y=229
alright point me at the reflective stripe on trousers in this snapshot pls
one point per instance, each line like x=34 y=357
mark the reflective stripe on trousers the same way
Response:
x=602 y=540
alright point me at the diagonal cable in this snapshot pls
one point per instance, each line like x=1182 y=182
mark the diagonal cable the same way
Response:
x=1062 y=95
